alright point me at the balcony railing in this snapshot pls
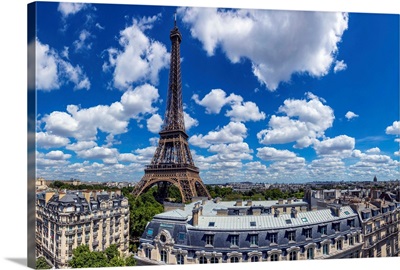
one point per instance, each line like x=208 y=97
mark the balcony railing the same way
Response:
x=70 y=232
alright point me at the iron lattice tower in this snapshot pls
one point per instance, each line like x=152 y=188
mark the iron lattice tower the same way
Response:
x=172 y=162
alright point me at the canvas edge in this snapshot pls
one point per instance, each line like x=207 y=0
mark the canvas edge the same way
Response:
x=31 y=123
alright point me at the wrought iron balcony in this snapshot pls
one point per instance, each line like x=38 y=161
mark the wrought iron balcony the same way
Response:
x=70 y=232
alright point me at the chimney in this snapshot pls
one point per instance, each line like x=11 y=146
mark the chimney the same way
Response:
x=86 y=194
x=280 y=201
x=256 y=212
x=48 y=196
x=294 y=213
x=335 y=210
x=303 y=209
x=222 y=212
x=196 y=213
x=314 y=208
x=217 y=200
x=289 y=201
x=249 y=203
x=95 y=194
x=238 y=203
x=61 y=195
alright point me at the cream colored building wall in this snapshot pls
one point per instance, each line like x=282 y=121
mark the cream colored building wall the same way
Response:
x=68 y=233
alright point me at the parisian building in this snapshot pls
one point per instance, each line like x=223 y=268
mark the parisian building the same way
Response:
x=214 y=231
x=65 y=220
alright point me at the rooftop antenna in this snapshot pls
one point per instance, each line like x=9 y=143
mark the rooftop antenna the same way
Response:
x=175 y=19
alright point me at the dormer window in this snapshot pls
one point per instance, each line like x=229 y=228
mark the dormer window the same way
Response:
x=336 y=226
x=234 y=240
x=291 y=235
x=209 y=240
x=307 y=233
x=273 y=238
x=351 y=223
x=323 y=229
x=254 y=239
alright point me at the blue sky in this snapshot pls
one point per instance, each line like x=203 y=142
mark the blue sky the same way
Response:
x=269 y=96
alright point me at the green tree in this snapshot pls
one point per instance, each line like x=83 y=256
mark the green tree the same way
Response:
x=174 y=194
x=143 y=209
x=112 y=252
x=41 y=263
x=110 y=257
x=83 y=257
x=130 y=261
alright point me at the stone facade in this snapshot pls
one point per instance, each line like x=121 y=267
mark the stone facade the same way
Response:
x=67 y=220
x=211 y=231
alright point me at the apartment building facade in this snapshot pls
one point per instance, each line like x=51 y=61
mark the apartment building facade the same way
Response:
x=212 y=231
x=66 y=220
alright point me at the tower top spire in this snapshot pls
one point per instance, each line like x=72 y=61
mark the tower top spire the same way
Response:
x=175 y=19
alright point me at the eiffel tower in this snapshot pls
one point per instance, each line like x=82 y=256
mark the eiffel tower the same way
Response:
x=172 y=163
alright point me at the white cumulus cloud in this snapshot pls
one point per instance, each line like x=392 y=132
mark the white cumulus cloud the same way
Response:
x=52 y=71
x=304 y=121
x=339 y=66
x=189 y=121
x=45 y=140
x=310 y=39
x=341 y=146
x=350 y=115
x=240 y=111
x=215 y=100
x=83 y=123
x=269 y=154
x=234 y=132
x=154 y=123
x=394 y=129
x=67 y=9
x=148 y=55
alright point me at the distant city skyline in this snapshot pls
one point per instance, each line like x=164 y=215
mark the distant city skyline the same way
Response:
x=270 y=96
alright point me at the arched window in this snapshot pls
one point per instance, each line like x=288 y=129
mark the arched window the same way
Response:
x=254 y=258
x=325 y=249
x=163 y=256
x=293 y=256
x=274 y=257
x=202 y=260
x=180 y=259
x=147 y=251
x=214 y=260
x=310 y=253
x=339 y=245
x=163 y=238
x=234 y=259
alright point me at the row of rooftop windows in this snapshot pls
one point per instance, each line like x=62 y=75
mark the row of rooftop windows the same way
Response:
x=271 y=237
x=292 y=254
x=375 y=212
